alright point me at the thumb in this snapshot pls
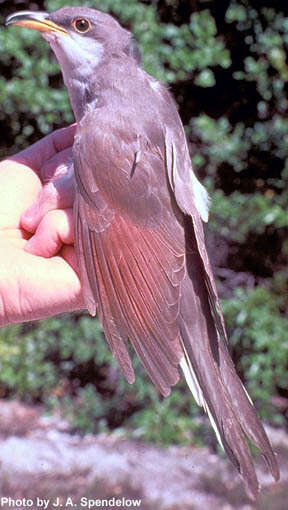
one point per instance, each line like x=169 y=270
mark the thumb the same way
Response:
x=56 y=194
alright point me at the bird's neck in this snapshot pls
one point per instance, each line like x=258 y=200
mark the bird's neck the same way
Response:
x=80 y=95
x=79 y=80
x=91 y=91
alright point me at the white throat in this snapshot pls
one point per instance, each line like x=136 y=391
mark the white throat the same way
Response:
x=78 y=58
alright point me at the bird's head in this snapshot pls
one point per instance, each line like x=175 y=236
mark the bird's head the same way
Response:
x=81 y=39
x=79 y=36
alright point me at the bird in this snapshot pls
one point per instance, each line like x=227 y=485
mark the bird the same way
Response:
x=138 y=218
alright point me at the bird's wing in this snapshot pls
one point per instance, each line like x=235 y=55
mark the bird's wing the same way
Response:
x=193 y=201
x=130 y=251
x=149 y=272
x=207 y=364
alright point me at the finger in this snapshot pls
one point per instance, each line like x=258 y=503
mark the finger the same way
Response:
x=57 y=166
x=19 y=174
x=19 y=188
x=36 y=155
x=57 y=194
x=54 y=230
x=41 y=288
x=14 y=233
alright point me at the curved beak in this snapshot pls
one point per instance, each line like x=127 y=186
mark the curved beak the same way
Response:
x=37 y=20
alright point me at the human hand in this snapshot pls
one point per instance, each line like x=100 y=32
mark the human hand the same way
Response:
x=38 y=268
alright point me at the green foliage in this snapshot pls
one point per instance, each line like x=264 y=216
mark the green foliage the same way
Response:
x=238 y=214
x=226 y=66
x=196 y=48
x=65 y=363
x=258 y=336
x=169 y=420
x=35 y=359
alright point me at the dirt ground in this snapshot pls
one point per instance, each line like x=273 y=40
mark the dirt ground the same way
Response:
x=44 y=466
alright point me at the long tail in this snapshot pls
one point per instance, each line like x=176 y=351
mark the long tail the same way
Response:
x=212 y=378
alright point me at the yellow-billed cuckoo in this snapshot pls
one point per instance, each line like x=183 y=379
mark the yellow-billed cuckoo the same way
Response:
x=138 y=226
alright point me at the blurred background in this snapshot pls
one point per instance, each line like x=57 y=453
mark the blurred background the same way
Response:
x=226 y=65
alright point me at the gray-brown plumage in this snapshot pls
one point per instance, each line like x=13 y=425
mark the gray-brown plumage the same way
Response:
x=138 y=228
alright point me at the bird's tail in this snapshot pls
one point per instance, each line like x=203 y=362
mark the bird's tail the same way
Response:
x=212 y=378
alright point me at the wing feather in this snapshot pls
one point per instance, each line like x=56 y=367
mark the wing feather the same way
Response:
x=134 y=294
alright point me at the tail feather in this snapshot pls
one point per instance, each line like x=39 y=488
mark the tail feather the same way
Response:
x=213 y=381
x=246 y=413
x=196 y=391
x=214 y=397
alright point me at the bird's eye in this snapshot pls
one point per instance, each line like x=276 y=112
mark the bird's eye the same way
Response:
x=81 y=25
